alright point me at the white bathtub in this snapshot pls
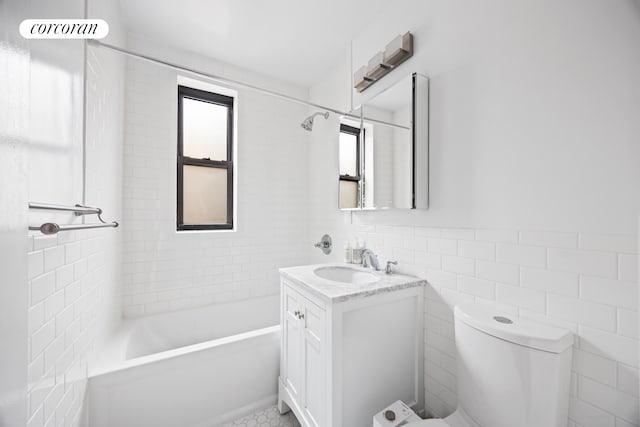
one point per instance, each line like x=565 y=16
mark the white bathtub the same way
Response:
x=200 y=367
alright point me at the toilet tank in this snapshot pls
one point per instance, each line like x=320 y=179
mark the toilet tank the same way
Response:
x=511 y=372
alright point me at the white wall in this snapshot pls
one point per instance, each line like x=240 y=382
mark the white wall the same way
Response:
x=167 y=270
x=74 y=277
x=14 y=119
x=545 y=93
x=534 y=177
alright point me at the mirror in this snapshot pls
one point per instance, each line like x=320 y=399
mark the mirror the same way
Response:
x=384 y=149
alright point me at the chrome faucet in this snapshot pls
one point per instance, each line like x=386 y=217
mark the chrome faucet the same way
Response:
x=370 y=259
x=388 y=268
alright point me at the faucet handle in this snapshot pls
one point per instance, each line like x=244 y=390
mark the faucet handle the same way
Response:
x=325 y=244
x=388 y=269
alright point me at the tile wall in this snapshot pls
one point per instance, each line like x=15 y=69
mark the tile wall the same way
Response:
x=584 y=282
x=166 y=270
x=67 y=283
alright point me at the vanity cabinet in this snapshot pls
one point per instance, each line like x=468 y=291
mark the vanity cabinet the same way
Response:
x=349 y=351
x=303 y=358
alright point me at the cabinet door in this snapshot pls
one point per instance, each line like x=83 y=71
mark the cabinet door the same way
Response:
x=292 y=343
x=315 y=371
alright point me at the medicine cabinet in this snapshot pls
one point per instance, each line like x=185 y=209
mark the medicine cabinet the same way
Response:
x=384 y=150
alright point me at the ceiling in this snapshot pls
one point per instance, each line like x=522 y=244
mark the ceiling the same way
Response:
x=293 y=40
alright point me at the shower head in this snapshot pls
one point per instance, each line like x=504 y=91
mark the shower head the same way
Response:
x=307 y=124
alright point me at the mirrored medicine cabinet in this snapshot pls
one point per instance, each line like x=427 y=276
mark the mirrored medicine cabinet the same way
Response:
x=384 y=149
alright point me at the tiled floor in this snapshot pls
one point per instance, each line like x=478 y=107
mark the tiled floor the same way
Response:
x=269 y=417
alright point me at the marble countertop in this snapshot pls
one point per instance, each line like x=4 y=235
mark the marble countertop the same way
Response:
x=332 y=291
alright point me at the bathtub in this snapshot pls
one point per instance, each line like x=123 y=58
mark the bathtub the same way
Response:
x=194 y=368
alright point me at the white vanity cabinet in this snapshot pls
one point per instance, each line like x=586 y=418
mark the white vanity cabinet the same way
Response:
x=347 y=351
x=303 y=353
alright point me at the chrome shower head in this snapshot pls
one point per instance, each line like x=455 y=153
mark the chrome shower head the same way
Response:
x=307 y=124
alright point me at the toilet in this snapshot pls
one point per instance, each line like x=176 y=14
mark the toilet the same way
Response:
x=510 y=372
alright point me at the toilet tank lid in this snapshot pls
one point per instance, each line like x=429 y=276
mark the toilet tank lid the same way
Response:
x=513 y=329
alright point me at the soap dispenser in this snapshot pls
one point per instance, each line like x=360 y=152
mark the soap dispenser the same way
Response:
x=348 y=252
x=357 y=253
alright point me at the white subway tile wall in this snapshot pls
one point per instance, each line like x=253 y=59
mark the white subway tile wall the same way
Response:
x=167 y=270
x=66 y=292
x=584 y=282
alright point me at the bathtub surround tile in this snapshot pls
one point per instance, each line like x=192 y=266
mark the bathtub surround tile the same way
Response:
x=43 y=241
x=41 y=338
x=35 y=261
x=53 y=258
x=42 y=287
x=160 y=263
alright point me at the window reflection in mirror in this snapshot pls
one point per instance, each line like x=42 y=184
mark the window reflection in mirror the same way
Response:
x=392 y=163
x=349 y=158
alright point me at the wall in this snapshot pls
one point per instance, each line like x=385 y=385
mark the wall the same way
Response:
x=74 y=277
x=166 y=270
x=533 y=202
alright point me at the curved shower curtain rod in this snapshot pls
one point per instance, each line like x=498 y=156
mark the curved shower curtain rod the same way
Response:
x=236 y=83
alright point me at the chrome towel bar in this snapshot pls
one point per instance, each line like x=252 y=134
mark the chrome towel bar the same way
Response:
x=78 y=210
x=53 y=228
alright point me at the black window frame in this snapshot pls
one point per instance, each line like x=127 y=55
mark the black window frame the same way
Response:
x=351 y=130
x=182 y=160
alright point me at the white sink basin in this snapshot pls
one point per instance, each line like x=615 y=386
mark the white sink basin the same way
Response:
x=346 y=275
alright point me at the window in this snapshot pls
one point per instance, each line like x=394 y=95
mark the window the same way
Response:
x=349 y=166
x=205 y=160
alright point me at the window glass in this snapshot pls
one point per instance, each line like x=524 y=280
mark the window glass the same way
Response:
x=204 y=129
x=348 y=194
x=204 y=195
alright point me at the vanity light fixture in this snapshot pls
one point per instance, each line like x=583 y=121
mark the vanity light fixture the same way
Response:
x=395 y=53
